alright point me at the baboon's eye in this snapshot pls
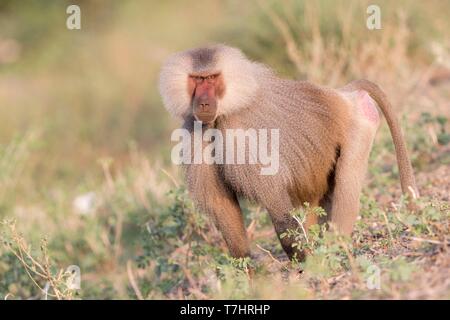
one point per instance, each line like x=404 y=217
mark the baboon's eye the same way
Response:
x=198 y=79
x=211 y=78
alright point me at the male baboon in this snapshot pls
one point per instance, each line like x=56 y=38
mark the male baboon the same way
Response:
x=325 y=138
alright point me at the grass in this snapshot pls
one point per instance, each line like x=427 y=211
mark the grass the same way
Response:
x=85 y=176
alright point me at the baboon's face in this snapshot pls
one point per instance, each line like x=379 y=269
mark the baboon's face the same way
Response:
x=208 y=82
x=205 y=89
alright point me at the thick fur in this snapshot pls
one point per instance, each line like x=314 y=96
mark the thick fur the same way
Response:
x=324 y=144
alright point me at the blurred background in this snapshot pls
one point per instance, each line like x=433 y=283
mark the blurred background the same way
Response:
x=85 y=140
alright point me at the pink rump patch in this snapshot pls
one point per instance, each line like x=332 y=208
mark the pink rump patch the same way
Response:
x=368 y=106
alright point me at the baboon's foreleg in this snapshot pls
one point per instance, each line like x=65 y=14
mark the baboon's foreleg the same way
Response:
x=220 y=203
x=282 y=219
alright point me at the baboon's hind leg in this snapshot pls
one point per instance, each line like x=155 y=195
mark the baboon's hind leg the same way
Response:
x=350 y=172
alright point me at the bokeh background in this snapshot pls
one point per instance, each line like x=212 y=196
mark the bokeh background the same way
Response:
x=85 y=140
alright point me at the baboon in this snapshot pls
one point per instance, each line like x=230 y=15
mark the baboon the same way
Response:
x=325 y=135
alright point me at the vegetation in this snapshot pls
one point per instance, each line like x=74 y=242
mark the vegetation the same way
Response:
x=85 y=171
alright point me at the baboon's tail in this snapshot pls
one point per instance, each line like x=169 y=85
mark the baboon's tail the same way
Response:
x=407 y=179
